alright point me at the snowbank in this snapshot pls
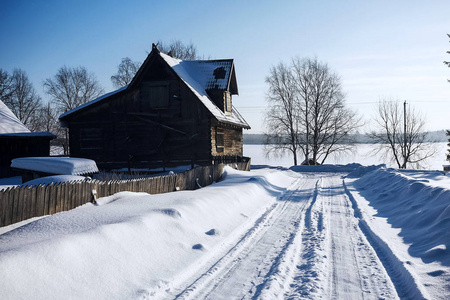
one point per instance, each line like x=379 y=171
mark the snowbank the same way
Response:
x=326 y=168
x=132 y=245
x=56 y=165
x=420 y=208
x=407 y=213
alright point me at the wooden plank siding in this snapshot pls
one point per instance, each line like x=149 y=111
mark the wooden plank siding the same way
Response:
x=20 y=146
x=157 y=121
x=126 y=132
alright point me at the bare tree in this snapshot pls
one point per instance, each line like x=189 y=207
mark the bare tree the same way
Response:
x=401 y=134
x=282 y=119
x=126 y=71
x=179 y=50
x=327 y=124
x=5 y=86
x=23 y=100
x=72 y=87
x=306 y=112
x=46 y=119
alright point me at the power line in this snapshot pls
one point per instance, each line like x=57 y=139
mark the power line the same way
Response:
x=348 y=103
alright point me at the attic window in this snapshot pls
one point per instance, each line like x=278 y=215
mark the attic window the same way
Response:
x=219 y=73
x=155 y=95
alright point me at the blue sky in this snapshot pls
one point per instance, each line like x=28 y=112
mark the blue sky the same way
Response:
x=380 y=49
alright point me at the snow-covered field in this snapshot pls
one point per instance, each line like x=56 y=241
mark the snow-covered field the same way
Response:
x=325 y=232
x=362 y=155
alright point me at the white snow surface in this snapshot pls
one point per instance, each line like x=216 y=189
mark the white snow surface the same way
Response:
x=322 y=232
x=56 y=165
x=9 y=123
x=55 y=179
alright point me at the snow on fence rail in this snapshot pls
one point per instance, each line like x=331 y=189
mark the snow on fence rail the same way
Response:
x=21 y=203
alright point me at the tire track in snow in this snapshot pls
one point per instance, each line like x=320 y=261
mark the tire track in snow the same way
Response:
x=246 y=269
x=309 y=277
x=337 y=262
x=286 y=278
x=402 y=279
x=280 y=274
x=311 y=244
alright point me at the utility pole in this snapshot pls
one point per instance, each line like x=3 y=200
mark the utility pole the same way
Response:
x=404 y=135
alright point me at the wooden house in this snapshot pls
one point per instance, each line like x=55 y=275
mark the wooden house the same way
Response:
x=16 y=141
x=173 y=112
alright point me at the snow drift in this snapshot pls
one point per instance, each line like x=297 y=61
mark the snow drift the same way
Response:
x=139 y=246
x=131 y=244
x=419 y=209
x=407 y=215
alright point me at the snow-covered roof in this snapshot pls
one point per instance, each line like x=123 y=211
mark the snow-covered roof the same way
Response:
x=211 y=74
x=9 y=123
x=93 y=101
x=28 y=134
x=56 y=165
x=199 y=76
x=195 y=76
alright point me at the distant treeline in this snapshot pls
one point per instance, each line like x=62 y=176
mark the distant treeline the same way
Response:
x=360 y=138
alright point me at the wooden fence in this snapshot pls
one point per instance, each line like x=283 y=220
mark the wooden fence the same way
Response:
x=21 y=203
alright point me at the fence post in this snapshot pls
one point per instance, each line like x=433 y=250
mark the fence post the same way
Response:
x=40 y=192
x=27 y=203
x=3 y=208
x=20 y=203
x=15 y=213
x=23 y=203
x=32 y=193
x=10 y=210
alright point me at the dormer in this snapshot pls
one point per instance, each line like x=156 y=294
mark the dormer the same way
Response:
x=222 y=99
x=220 y=82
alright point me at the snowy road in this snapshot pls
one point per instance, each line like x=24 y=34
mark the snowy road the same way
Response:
x=307 y=245
x=322 y=232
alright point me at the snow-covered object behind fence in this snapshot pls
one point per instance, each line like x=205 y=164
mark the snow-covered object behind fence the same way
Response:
x=55 y=179
x=56 y=165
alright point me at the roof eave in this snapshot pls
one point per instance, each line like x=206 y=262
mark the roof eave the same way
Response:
x=91 y=103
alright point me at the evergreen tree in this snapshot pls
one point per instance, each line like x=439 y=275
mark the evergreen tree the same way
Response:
x=448 y=150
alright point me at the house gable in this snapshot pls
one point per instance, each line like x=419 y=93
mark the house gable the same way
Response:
x=166 y=115
x=213 y=82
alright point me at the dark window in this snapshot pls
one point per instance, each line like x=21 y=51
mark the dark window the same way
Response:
x=155 y=95
x=219 y=140
x=227 y=99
